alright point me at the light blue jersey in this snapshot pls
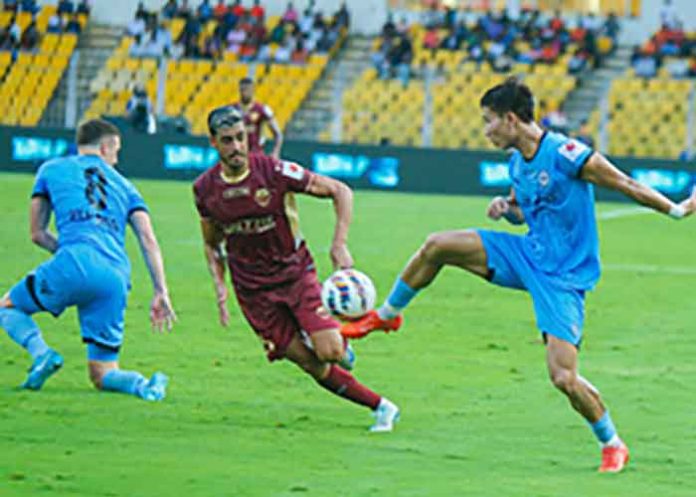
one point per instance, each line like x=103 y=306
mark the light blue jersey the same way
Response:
x=558 y=259
x=92 y=203
x=90 y=270
x=559 y=209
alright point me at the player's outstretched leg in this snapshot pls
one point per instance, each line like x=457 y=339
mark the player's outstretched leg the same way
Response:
x=320 y=363
x=457 y=248
x=25 y=332
x=561 y=357
x=106 y=375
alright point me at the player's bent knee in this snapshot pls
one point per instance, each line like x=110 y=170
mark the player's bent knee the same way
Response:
x=5 y=301
x=564 y=379
x=432 y=247
x=331 y=353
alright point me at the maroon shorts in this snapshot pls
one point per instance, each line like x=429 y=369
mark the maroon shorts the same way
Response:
x=278 y=314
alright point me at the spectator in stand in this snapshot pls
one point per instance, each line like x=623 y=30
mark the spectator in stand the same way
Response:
x=451 y=41
x=432 y=18
x=220 y=10
x=192 y=48
x=263 y=53
x=327 y=40
x=55 y=24
x=235 y=39
x=257 y=11
x=300 y=54
x=342 y=17
x=30 y=37
x=290 y=15
x=170 y=9
x=10 y=5
x=284 y=52
x=142 y=11
x=668 y=15
x=431 y=40
x=15 y=32
x=30 y=6
x=578 y=61
x=138 y=47
x=5 y=40
x=278 y=33
x=556 y=23
x=73 y=25
x=84 y=7
x=136 y=26
x=643 y=62
x=306 y=22
x=612 y=27
x=184 y=10
x=238 y=9
x=140 y=111
x=65 y=7
x=205 y=11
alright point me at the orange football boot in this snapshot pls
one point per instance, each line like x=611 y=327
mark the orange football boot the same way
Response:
x=614 y=458
x=368 y=323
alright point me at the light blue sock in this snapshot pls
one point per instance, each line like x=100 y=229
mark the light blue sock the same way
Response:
x=399 y=297
x=23 y=330
x=604 y=429
x=130 y=382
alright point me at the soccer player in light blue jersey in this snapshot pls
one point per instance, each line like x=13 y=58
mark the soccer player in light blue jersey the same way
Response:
x=92 y=204
x=556 y=261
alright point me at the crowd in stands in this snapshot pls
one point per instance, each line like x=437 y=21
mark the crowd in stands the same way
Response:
x=64 y=20
x=496 y=39
x=670 y=48
x=238 y=29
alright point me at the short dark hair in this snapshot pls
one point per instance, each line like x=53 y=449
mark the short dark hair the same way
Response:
x=229 y=115
x=93 y=131
x=246 y=81
x=510 y=96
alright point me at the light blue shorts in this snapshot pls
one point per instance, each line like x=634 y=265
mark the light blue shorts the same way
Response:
x=79 y=276
x=560 y=311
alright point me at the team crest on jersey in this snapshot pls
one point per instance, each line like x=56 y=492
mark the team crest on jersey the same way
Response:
x=543 y=178
x=262 y=197
x=254 y=116
x=572 y=150
x=242 y=191
x=292 y=170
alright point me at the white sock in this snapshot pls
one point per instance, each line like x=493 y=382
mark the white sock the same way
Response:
x=614 y=441
x=386 y=312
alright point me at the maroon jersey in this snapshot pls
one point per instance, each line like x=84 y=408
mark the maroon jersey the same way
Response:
x=259 y=219
x=255 y=115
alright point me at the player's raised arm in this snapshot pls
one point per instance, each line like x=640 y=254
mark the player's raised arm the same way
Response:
x=212 y=243
x=40 y=217
x=342 y=196
x=161 y=312
x=506 y=207
x=601 y=172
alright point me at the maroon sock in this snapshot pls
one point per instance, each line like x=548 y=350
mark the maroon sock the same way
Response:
x=341 y=382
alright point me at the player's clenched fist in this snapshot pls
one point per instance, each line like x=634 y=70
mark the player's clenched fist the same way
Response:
x=498 y=207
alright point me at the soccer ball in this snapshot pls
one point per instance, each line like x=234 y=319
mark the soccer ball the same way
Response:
x=348 y=294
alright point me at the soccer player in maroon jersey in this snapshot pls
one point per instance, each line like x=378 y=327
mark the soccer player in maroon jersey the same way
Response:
x=256 y=115
x=246 y=201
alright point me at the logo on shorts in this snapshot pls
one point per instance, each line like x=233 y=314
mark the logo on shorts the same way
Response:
x=323 y=312
x=262 y=197
x=268 y=345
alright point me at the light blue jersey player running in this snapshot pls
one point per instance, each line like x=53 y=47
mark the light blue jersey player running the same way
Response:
x=92 y=204
x=557 y=261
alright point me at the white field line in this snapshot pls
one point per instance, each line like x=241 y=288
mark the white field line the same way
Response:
x=648 y=268
x=623 y=212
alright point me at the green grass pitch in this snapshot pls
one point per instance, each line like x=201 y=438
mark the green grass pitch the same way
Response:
x=480 y=417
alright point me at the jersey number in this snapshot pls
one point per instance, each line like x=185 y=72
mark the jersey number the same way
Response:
x=95 y=191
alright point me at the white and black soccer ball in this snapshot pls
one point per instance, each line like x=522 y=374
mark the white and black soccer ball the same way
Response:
x=348 y=293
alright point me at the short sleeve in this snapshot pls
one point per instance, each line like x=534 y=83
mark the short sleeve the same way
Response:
x=572 y=156
x=41 y=184
x=136 y=202
x=267 y=112
x=198 y=197
x=294 y=177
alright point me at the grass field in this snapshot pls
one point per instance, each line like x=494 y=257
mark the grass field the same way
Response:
x=479 y=415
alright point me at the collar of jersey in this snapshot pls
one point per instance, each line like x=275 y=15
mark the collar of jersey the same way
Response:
x=234 y=179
